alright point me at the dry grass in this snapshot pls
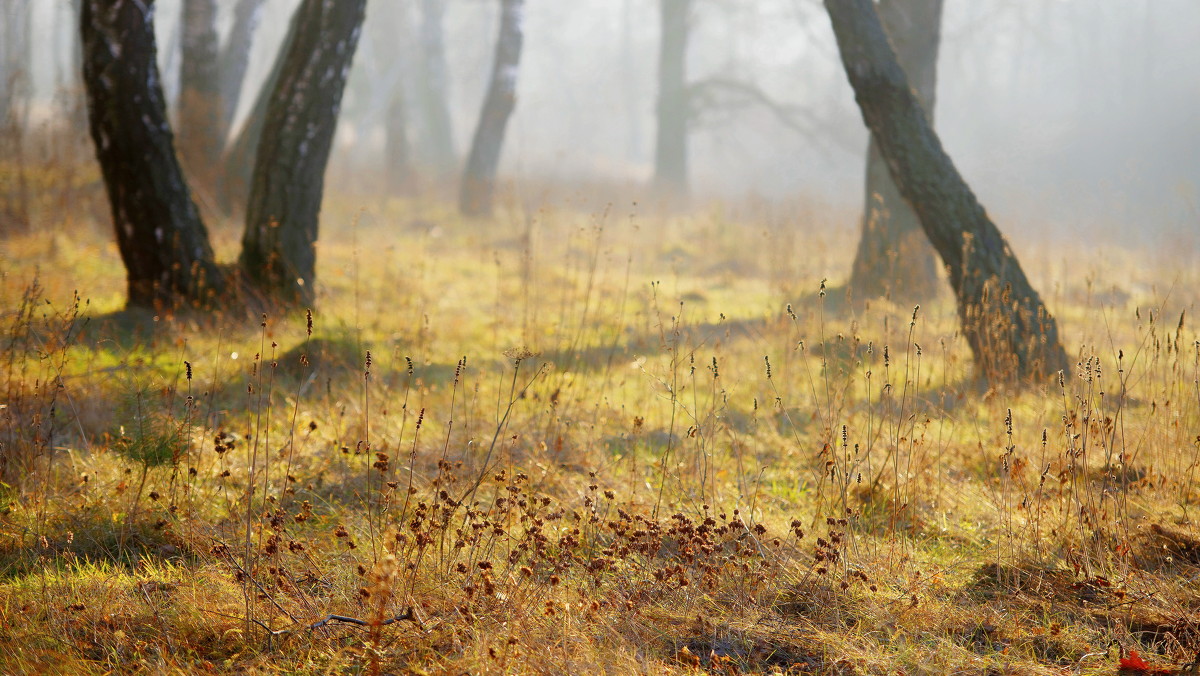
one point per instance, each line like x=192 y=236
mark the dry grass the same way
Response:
x=573 y=442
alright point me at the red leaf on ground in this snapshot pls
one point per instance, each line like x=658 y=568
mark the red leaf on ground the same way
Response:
x=1134 y=662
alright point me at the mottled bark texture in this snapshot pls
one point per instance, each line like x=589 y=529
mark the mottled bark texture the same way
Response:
x=1010 y=332
x=279 y=246
x=437 y=139
x=479 y=178
x=671 y=144
x=199 y=114
x=162 y=241
x=233 y=188
x=894 y=258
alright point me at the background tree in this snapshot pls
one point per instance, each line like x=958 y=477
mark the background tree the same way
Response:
x=235 y=59
x=894 y=257
x=437 y=135
x=1008 y=328
x=282 y=215
x=479 y=178
x=199 y=115
x=672 y=110
x=163 y=243
x=15 y=96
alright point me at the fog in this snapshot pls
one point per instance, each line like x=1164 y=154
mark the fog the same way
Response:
x=1066 y=117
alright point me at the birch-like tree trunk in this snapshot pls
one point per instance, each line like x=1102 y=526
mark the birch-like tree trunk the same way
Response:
x=479 y=178
x=894 y=257
x=162 y=241
x=671 y=144
x=1010 y=332
x=278 y=247
x=237 y=164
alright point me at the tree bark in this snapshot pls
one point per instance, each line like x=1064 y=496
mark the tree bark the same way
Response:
x=279 y=246
x=163 y=244
x=199 y=114
x=671 y=144
x=233 y=188
x=438 y=136
x=1009 y=330
x=479 y=179
x=235 y=59
x=894 y=257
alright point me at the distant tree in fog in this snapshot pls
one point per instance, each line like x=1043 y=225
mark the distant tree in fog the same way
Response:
x=1009 y=330
x=210 y=82
x=894 y=257
x=163 y=242
x=437 y=139
x=199 y=91
x=15 y=96
x=672 y=109
x=479 y=177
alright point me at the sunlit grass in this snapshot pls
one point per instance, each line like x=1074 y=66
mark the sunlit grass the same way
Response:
x=582 y=442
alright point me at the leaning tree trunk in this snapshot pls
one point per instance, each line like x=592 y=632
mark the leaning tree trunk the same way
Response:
x=894 y=257
x=438 y=136
x=235 y=59
x=479 y=178
x=1009 y=329
x=199 y=114
x=671 y=144
x=279 y=246
x=162 y=241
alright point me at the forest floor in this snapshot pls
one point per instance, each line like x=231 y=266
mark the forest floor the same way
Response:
x=578 y=441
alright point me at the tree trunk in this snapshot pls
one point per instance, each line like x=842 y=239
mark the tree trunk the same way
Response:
x=278 y=248
x=163 y=244
x=1009 y=330
x=671 y=145
x=233 y=188
x=199 y=114
x=479 y=179
x=235 y=59
x=438 y=136
x=16 y=94
x=894 y=257
x=398 y=160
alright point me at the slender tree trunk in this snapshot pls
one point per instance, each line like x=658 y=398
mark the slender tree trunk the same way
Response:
x=235 y=59
x=162 y=241
x=479 y=179
x=438 y=138
x=199 y=114
x=398 y=160
x=894 y=257
x=671 y=145
x=1009 y=329
x=278 y=248
x=16 y=62
x=233 y=188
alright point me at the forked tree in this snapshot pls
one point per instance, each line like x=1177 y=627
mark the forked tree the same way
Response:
x=1009 y=330
x=894 y=258
x=479 y=178
x=163 y=242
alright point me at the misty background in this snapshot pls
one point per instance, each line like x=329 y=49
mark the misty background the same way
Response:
x=1069 y=118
